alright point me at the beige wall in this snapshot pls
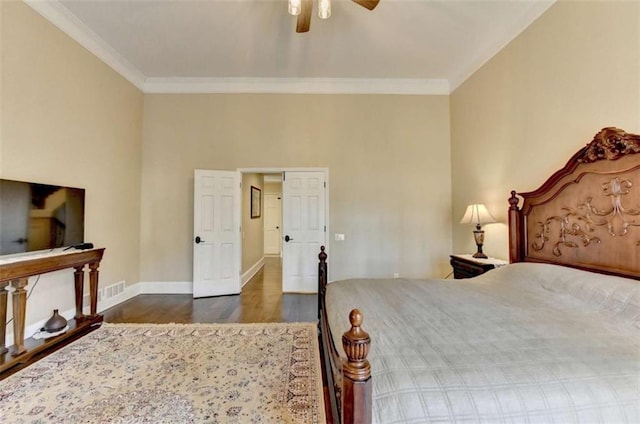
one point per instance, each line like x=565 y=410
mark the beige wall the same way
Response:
x=523 y=114
x=69 y=119
x=388 y=160
x=252 y=228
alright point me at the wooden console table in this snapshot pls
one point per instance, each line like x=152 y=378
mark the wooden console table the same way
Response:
x=17 y=272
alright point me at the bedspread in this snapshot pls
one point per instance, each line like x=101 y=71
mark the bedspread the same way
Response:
x=524 y=343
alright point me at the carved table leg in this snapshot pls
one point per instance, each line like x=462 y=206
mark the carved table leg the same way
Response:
x=3 y=317
x=78 y=277
x=93 y=287
x=19 y=299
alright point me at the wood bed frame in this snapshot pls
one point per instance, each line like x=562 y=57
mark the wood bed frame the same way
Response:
x=586 y=216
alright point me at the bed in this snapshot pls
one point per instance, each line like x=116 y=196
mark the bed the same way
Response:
x=552 y=337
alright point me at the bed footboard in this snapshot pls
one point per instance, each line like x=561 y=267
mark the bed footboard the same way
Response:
x=351 y=402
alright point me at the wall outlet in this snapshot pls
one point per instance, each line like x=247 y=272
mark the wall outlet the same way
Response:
x=338 y=237
x=396 y=275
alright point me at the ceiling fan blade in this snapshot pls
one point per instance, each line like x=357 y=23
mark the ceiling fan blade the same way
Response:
x=369 y=4
x=304 y=18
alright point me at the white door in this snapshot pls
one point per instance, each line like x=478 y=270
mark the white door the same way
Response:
x=216 y=233
x=272 y=224
x=303 y=229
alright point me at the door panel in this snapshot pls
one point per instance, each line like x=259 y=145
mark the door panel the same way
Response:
x=304 y=223
x=216 y=251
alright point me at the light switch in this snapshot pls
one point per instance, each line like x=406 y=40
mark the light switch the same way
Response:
x=338 y=237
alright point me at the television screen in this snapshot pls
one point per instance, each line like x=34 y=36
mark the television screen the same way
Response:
x=39 y=216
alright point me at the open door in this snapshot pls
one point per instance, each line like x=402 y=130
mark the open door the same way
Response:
x=304 y=229
x=216 y=233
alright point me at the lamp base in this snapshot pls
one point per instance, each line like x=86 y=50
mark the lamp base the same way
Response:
x=478 y=236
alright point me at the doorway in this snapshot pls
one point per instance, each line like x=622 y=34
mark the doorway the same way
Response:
x=304 y=227
x=295 y=205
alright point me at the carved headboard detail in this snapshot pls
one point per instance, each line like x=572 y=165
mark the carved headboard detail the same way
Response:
x=587 y=214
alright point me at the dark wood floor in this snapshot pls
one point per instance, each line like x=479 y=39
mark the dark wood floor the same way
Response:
x=261 y=300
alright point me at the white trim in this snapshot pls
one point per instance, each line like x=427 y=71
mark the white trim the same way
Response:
x=56 y=13
x=298 y=85
x=67 y=22
x=271 y=178
x=251 y=272
x=280 y=170
x=30 y=330
x=513 y=29
x=128 y=293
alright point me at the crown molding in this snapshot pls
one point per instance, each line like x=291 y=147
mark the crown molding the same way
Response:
x=298 y=85
x=61 y=17
x=67 y=22
x=514 y=28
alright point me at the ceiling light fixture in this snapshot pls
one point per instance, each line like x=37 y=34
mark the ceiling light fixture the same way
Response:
x=295 y=7
x=324 y=9
x=302 y=9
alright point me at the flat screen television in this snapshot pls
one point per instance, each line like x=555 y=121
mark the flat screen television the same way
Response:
x=39 y=216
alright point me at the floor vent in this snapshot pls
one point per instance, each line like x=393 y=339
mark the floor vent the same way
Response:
x=114 y=290
x=86 y=299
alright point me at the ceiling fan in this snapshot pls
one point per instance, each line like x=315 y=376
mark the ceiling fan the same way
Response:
x=302 y=9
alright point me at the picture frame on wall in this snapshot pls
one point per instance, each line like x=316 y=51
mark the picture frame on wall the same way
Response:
x=256 y=202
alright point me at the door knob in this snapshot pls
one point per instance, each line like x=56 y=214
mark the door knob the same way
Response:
x=287 y=238
x=199 y=240
x=277 y=228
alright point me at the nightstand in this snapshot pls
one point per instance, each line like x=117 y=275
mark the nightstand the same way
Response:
x=466 y=266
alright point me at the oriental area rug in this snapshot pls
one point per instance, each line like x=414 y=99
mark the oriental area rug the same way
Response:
x=174 y=373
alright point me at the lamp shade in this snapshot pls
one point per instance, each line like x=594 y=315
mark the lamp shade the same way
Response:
x=477 y=214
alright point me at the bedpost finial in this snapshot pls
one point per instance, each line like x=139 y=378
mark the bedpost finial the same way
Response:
x=513 y=200
x=356 y=343
x=355 y=318
x=322 y=256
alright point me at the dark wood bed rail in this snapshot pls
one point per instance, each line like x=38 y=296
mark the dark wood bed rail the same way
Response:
x=350 y=402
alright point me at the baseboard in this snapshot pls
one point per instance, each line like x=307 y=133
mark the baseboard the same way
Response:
x=30 y=330
x=251 y=272
x=129 y=292
x=146 y=287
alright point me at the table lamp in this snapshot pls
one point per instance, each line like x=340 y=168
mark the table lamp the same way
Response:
x=478 y=214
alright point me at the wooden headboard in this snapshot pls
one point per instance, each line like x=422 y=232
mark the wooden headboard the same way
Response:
x=587 y=214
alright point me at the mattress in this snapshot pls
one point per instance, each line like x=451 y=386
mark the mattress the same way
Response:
x=523 y=343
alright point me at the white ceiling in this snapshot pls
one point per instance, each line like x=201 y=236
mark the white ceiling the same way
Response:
x=403 y=46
